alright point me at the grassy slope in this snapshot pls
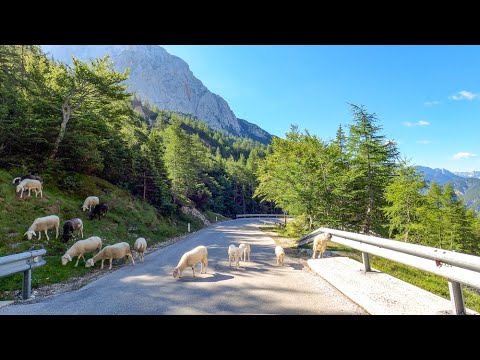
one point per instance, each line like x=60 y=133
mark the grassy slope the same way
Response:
x=127 y=219
x=425 y=280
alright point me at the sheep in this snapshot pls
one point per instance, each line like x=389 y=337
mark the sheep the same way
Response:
x=140 y=246
x=190 y=259
x=29 y=184
x=233 y=255
x=89 y=202
x=70 y=226
x=279 y=254
x=17 y=180
x=99 y=210
x=246 y=251
x=43 y=224
x=80 y=248
x=320 y=244
x=116 y=251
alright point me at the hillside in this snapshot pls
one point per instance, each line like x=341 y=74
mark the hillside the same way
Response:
x=127 y=219
x=167 y=82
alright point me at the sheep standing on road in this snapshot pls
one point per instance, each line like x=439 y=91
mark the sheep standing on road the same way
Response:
x=80 y=248
x=190 y=259
x=320 y=244
x=43 y=224
x=246 y=251
x=116 y=251
x=233 y=252
x=29 y=184
x=70 y=226
x=89 y=202
x=279 y=254
x=140 y=246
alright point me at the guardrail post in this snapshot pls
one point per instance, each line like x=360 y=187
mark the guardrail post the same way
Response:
x=366 y=262
x=456 y=296
x=27 y=284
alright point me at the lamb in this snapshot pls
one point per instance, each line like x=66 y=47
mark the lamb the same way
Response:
x=246 y=251
x=116 y=251
x=280 y=254
x=140 y=246
x=234 y=254
x=190 y=259
x=17 y=180
x=320 y=244
x=29 y=184
x=80 y=248
x=43 y=224
x=70 y=226
x=99 y=210
x=89 y=202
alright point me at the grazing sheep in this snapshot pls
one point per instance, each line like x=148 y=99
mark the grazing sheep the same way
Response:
x=89 y=202
x=246 y=251
x=233 y=255
x=116 y=251
x=190 y=259
x=320 y=244
x=140 y=246
x=80 y=248
x=43 y=224
x=70 y=226
x=99 y=210
x=29 y=184
x=17 y=180
x=279 y=254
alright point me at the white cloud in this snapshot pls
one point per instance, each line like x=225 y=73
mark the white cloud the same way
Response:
x=431 y=103
x=419 y=123
x=464 y=95
x=424 y=142
x=463 y=155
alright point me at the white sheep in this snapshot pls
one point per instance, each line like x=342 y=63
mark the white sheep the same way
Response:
x=80 y=248
x=320 y=244
x=116 y=251
x=43 y=224
x=233 y=255
x=246 y=252
x=190 y=259
x=29 y=184
x=140 y=246
x=279 y=254
x=90 y=202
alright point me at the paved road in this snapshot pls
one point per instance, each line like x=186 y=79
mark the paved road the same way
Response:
x=258 y=287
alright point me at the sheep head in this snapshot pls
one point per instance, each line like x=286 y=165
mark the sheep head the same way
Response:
x=29 y=234
x=19 y=188
x=65 y=259
x=176 y=272
x=89 y=263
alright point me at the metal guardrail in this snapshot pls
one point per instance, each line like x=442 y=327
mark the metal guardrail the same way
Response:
x=264 y=215
x=458 y=268
x=23 y=262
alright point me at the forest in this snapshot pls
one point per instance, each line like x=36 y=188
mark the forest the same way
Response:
x=64 y=121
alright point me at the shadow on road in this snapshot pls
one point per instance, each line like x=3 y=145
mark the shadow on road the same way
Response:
x=211 y=278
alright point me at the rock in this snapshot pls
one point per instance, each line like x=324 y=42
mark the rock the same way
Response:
x=196 y=213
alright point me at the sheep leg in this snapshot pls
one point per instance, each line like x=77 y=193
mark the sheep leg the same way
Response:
x=39 y=235
x=111 y=260
x=29 y=192
x=81 y=231
x=101 y=267
x=46 y=234
x=131 y=258
x=193 y=270
x=78 y=258
x=21 y=193
x=41 y=193
x=56 y=228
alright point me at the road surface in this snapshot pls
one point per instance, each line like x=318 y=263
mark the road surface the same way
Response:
x=257 y=287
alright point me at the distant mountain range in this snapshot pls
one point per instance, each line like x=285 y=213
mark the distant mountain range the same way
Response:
x=167 y=82
x=465 y=184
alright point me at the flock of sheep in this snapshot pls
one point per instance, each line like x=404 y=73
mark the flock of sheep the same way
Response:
x=81 y=247
x=122 y=250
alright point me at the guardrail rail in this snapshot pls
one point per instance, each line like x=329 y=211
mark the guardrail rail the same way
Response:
x=23 y=262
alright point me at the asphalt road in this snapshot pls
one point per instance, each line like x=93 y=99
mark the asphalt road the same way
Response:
x=257 y=287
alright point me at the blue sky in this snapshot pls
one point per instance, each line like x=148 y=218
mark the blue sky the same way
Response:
x=427 y=98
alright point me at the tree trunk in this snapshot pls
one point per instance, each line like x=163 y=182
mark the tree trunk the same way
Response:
x=144 y=185
x=66 y=112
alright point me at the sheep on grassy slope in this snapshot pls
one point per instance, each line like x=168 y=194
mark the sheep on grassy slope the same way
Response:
x=43 y=224
x=70 y=226
x=17 y=180
x=190 y=259
x=246 y=251
x=89 y=202
x=320 y=244
x=140 y=246
x=116 y=251
x=29 y=184
x=80 y=248
x=99 y=210
x=279 y=254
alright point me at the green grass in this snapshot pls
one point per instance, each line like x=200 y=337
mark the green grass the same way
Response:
x=433 y=283
x=127 y=219
x=214 y=217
